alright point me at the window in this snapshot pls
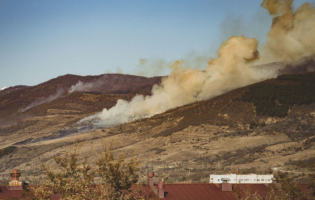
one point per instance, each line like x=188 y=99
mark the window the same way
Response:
x=218 y=179
x=258 y=179
x=211 y=178
x=262 y=179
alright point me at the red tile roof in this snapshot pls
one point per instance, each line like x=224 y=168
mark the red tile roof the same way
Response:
x=146 y=191
x=177 y=191
x=5 y=193
x=304 y=188
x=195 y=192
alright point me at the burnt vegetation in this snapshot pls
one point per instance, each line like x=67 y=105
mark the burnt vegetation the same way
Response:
x=275 y=99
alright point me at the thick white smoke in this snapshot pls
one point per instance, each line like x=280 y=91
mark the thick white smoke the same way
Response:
x=230 y=70
x=292 y=36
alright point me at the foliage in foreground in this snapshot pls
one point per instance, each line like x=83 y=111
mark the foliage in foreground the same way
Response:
x=73 y=178
x=286 y=189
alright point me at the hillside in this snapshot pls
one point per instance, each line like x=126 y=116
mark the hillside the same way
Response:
x=238 y=131
x=18 y=103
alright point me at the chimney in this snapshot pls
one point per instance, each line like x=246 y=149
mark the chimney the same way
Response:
x=15 y=184
x=15 y=175
x=150 y=179
x=225 y=187
x=161 y=189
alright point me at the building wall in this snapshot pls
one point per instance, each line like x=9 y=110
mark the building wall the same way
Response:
x=15 y=183
x=240 y=178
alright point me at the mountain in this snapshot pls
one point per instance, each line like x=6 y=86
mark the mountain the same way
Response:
x=3 y=88
x=15 y=102
x=255 y=129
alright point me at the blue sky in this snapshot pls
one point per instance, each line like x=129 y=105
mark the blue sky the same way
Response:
x=43 y=39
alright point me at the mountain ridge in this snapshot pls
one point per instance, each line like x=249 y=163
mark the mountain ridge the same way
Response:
x=218 y=135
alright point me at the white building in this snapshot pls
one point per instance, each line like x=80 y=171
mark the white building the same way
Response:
x=241 y=178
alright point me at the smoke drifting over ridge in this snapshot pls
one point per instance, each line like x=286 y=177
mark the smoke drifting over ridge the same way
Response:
x=52 y=97
x=80 y=86
x=230 y=70
x=291 y=36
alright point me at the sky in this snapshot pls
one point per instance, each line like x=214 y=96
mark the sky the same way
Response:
x=44 y=39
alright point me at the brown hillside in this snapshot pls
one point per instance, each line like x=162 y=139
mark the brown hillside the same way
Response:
x=220 y=135
x=106 y=90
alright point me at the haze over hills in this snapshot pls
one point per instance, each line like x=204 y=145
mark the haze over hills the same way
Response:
x=221 y=134
x=56 y=92
x=230 y=116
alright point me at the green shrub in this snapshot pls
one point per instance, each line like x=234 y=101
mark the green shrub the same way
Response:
x=7 y=150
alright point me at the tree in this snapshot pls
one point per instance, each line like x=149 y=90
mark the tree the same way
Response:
x=246 y=194
x=73 y=178
x=285 y=190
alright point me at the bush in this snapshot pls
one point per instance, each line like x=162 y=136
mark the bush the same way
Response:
x=7 y=150
x=106 y=178
x=288 y=190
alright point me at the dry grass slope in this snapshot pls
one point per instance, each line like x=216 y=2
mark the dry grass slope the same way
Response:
x=184 y=144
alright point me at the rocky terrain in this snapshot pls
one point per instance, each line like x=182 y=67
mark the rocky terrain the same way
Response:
x=254 y=129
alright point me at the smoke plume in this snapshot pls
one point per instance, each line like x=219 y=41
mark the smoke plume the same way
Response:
x=230 y=70
x=50 y=98
x=292 y=34
x=151 y=67
x=291 y=37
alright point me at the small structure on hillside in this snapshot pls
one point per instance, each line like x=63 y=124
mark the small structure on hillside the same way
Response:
x=241 y=178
